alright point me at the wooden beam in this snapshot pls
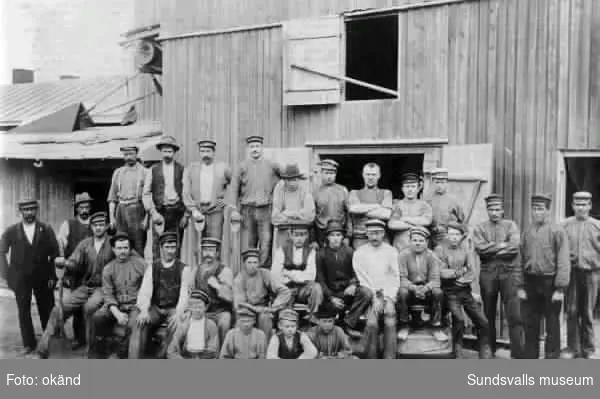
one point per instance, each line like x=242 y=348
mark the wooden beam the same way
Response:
x=219 y=31
x=405 y=7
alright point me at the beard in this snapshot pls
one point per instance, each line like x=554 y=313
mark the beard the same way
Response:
x=84 y=215
x=29 y=219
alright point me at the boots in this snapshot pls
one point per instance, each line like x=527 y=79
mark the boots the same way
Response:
x=485 y=352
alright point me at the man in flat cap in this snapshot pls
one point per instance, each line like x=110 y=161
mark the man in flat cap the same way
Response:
x=338 y=280
x=214 y=278
x=87 y=260
x=121 y=281
x=293 y=203
x=370 y=202
x=409 y=212
x=256 y=289
x=445 y=208
x=157 y=297
x=163 y=195
x=126 y=209
x=497 y=243
x=331 y=202
x=294 y=264
x=33 y=248
x=205 y=185
x=419 y=282
x=251 y=194
x=584 y=243
x=547 y=269
x=289 y=342
x=376 y=267
x=457 y=271
x=244 y=341
x=196 y=336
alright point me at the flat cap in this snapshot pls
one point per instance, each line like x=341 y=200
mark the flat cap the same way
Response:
x=99 y=217
x=207 y=143
x=119 y=236
x=211 y=242
x=127 y=148
x=28 y=203
x=82 y=197
x=439 y=173
x=168 y=141
x=291 y=171
x=375 y=224
x=333 y=226
x=297 y=226
x=582 y=195
x=326 y=311
x=168 y=236
x=541 y=198
x=456 y=226
x=494 y=199
x=329 y=164
x=201 y=295
x=254 y=139
x=410 y=177
x=419 y=230
x=251 y=252
x=244 y=312
x=288 y=314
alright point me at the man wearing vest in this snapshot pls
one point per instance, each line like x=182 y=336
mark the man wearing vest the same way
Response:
x=294 y=264
x=33 y=248
x=445 y=208
x=409 y=212
x=158 y=297
x=126 y=210
x=71 y=233
x=251 y=194
x=87 y=260
x=163 y=195
x=370 y=202
x=213 y=277
x=205 y=184
x=331 y=202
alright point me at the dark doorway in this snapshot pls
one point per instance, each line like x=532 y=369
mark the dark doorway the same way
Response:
x=582 y=175
x=392 y=167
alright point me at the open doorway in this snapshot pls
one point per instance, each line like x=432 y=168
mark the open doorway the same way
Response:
x=582 y=175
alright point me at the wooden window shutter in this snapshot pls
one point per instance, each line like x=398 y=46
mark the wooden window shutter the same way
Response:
x=314 y=44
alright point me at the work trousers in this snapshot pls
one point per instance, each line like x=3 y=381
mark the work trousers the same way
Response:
x=223 y=320
x=537 y=306
x=140 y=333
x=103 y=325
x=355 y=305
x=381 y=309
x=433 y=300
x=129 y=218
x=459 y=301
x=500 y=281
x=309 y=293
x=256 y=231
x=172 y=216
x=581 y=300
x=44 y=297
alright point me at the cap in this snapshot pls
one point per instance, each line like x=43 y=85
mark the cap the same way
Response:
x=288 y=314
x=207 y=144
x=541 y=198
x=326 y=311
x=244 y=312
x=456 y=226
x=439 y=174
x=211 y=242
x=28 y=203
x=292 y=172
x=251 y=252
x=419 y=230
x=297 y=226
x=375 y=224
x=119 y=236
x=129 y=148
x=329 y=164
x=169 y=236
x=410 y=178
x=582 y=195
x=201 y=295
x=168 y=141
x=333 y=226
x=494 y=199
x=254 y=139
x=99 y=217
x=81 y=198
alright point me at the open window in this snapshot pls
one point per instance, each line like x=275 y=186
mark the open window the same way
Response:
x=578 y=171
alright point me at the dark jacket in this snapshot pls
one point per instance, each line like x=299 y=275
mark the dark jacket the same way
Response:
x=334 y=269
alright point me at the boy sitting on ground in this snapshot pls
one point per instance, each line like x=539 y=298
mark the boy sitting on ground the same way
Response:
x=290 y=343
x=245 y=341
x=330 y=340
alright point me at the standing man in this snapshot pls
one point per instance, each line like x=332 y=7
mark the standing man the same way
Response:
x=409 y=212
x=163 y=195
x=255 y=288
x=126 y=210
x=293 y=203
x=214 y=278
x=497 y=242
x=204 y=187
x=584 y=243
x=157 y=297
x=376 y=266
x=331 y=202
x=251 y=194
x=33 y=248
x=370 y=202
x=445 y=208
x=546 y=268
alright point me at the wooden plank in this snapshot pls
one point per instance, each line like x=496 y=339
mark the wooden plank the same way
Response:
x=594 y=126
x=550 y=132
x=502 y=60
x=538 y=141
x=510 y=101
x=490 y=128
x=564 y=75
x=579 y=74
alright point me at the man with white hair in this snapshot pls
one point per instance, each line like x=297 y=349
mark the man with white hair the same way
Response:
x=370 y=202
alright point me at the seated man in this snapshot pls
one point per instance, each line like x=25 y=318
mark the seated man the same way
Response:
x=196 y=336
x=121 y=281
x=376 y=266
x=290 y=343
x=254 y=288
x=457 y=272
x=294 y=265
x=330 y=340
x=214 y=278
x=244 y=341
x=338 y=280
x=420 y=283
x=158 y=297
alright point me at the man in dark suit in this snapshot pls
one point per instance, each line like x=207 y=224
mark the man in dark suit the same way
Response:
x=33 y=248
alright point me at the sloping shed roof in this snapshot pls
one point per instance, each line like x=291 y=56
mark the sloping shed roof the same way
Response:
x=21 y=103
x=91 y=143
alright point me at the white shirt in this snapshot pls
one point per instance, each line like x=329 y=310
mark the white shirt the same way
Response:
x=195 y=335
x=169 y=174
x=309 y=274
x=29 y=231
x=98 y=244
x=377 y=268
x=207 y=175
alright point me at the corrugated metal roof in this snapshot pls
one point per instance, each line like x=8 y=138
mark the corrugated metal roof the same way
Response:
x=22 y=103
x=92 y=143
